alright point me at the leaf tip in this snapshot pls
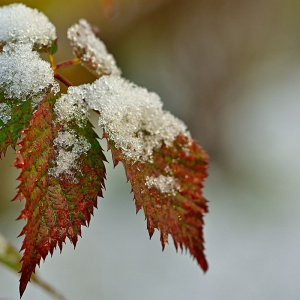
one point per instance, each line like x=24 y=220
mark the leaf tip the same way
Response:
x=22 y=288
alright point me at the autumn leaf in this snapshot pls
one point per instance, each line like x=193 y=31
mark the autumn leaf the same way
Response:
x=165 y=166
x=57 y=204
x=169 y=190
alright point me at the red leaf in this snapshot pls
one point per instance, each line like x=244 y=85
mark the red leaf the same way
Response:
x=177 y=210
x=55 y=207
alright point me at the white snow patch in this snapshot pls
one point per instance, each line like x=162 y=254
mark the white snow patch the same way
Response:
x=21 y=24
x=5 y=113
x=23 y=73
x=133 y=117
x=70 y=147
x=166 y=184
x=71 y=107
x=93 y=50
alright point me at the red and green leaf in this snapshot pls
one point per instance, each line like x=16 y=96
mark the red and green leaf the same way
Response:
x=55 y=208
x=11 y=130
x=179 y=214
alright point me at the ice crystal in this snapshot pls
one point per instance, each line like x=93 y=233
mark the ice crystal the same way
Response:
x=132 y=117
x=91 y=49
x=165 y=184
x=71 y=106
x=21 y=24
x=5 y=113
x=23 y=73
x=69 y=147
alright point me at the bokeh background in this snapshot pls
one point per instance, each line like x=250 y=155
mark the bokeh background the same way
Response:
x=231 y=70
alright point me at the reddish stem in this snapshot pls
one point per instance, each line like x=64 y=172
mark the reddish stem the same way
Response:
x=67 y=63
x=62 y=79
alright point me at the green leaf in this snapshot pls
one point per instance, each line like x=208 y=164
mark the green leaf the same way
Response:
x=14 y=117
x=51 y=48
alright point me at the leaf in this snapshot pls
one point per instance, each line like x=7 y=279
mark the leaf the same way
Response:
x=14 y=116
x=51 y=48
x=175 y=206
x=90 y=50
x=56 y=206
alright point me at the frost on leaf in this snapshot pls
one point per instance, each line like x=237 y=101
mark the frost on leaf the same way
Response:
x=165 y=166
x=56 y=207
x=91 y=51
x=24 y=25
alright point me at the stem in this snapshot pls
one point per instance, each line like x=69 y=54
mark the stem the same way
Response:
x=62 y=79
x=48 y=288
x=67 y=63
x=51 y=61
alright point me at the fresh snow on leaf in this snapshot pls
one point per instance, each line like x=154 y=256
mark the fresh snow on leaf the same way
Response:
x=24 y=74
x=132 y=117
x=71 y=107
x=21 y=24
x=5 y=114
x=69 y=147
x=166 y=184
x=91 y=50
x=62 y=162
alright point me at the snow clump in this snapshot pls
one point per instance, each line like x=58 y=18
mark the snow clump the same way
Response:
x=24 y=74
x=91 y=49
x=71 y=107
x=70 y=147
x=21 y=24
x=132 y=117
x=165 y=184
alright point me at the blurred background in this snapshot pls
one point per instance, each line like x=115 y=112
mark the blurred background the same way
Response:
x=231 y=70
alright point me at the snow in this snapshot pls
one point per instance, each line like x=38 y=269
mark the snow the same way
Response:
x=30 y=78
x=71 y=106
x=21 y=24
x=5 y=113
x=166 y=184
x=84 y=41
x=132 y=117
x=69 y=147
